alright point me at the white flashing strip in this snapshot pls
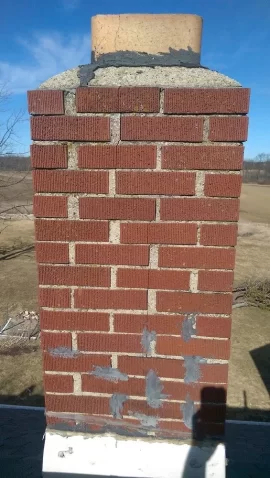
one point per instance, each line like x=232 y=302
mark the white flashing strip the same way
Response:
x=106 y=456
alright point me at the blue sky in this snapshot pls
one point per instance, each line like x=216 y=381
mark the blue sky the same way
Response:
x=40 y=39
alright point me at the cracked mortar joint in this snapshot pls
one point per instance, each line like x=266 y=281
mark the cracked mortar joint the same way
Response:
x=115 y=128
x=114 y=237
x=71 y=252
x=151 y=301
x=70 y=105
x=117 y=401
x=189 y=327
x=72 y=156
x=188 y=409
x=194 y=281
x=64 y=352
x=153 y=390
x=148 y=341
x=77 y=379
x=73 y=207
x=192 y=366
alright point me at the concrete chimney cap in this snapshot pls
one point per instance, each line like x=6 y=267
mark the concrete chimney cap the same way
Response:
x=159 y=34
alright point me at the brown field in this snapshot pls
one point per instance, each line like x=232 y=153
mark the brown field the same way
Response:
x=21 y=372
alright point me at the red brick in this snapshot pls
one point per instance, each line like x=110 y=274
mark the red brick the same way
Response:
x=97 y=100
x=223 y=185
x=110 y=299
x=153 y=279
x=158 y=233
x=214 y=373
x=175 y=183
x=109 y=343
x=54 y=298
x=171 y=368
x=47 y=230
x=179 y=391
x=197 y=257
x=171 y=324
x=187 y=302
x=52 y=253
x=209 y=348
x=136 y=387
x=202 y=157
x=112 y=254
x=46 y=102
x=70 y=128
x=215 y=281
x=99 y=424
x=117 y=100
x=50 y=206
x=78 y=363
x=218 y=234
x=213 y=326
x=161 y=324
x=71 y=181
x=214 y=413
x=199 y=209
x=206 y=100
x=49 y=156
x=228 y=129
x=143 y=128
x=77 y=404
x=56 y=423
x=58 y=383
x=72 y=275
x=168 y=409
x=71 y=320
x=52 y=340
x=118 y=208
x=117 y=157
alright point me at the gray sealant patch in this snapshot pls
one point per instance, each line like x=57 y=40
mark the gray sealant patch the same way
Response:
x=189 y=327
x=117 y=401
x=187 y=58
x=110 y=374
x=153 y=390
x=192 y=366
x=146 y=420
x=148 y=340
x=189 y=411
x=64 y=352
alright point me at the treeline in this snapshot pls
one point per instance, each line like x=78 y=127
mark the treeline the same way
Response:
x=15 y=163
x=257 y=170
x=254 y=171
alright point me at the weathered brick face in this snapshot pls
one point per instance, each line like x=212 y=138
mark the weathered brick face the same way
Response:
x=136 y=205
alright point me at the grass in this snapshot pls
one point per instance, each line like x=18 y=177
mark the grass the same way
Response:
x=21 y=378
x=258 y=293
x=254 y=204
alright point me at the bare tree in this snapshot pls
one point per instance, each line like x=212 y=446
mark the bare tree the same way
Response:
x=8 y=136
x=13 y=199
x=257 y=170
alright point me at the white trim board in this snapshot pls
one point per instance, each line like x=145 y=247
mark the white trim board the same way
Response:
x=107 y=456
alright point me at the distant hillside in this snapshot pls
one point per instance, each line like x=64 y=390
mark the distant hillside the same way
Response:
x=15 y=163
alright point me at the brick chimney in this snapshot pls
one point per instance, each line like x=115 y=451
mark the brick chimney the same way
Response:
x=137 y=174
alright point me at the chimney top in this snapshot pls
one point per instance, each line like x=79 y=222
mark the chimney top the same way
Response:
x=162 y=39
